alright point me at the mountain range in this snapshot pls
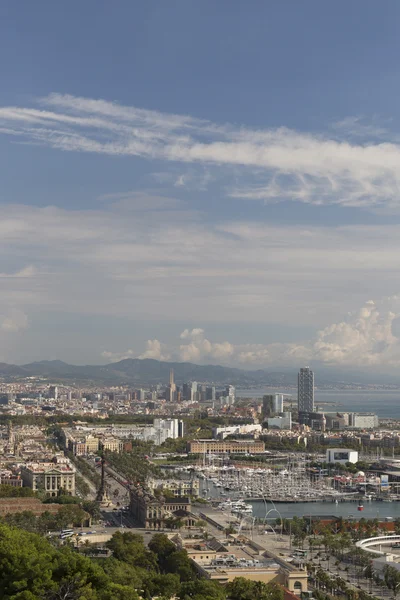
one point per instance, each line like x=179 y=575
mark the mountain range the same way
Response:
x=141 y=372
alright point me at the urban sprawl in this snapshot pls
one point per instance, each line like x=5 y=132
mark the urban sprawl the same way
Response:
x=218 y=474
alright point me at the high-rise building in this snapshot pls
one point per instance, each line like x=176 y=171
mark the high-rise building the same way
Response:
x=211 y=393
x=230 y=393
x=171 y=388
x=53 y=392
x=186 y=391
x=305 y=390
x=194 y=393
x=272 y=405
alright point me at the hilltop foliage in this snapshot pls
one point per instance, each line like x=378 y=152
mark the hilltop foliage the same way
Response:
x=34 y=568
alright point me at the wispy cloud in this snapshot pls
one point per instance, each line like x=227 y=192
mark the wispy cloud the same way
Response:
x=271 y=164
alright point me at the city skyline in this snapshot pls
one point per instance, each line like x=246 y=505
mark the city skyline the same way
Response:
x=233 y=202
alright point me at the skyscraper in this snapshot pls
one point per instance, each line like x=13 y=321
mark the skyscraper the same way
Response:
x=171 y=388
x=305 y=390
x=193 y=392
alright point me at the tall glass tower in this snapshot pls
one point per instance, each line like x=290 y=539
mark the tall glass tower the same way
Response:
x=305 y=390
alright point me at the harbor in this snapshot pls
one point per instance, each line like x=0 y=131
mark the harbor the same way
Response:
x=291 y=489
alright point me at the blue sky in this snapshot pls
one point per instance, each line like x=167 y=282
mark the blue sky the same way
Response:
x=206 y=181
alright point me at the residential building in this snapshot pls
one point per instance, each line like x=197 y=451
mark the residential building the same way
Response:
x=305 y=390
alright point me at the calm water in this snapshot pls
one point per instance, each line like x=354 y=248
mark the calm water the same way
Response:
x=371 y=510
x=383 y=403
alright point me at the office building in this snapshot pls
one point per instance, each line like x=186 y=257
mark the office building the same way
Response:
x=211 y=395
x=194 y=392
x=305 y=390
x=272 y=405
x=186 y=391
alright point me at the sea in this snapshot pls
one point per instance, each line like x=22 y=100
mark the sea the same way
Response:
x=384 y=403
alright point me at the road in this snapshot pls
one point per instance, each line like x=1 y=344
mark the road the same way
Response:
x=117 y=492
x=353 y=577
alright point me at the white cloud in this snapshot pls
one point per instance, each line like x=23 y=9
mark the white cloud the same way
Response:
x=270 y=164
x=14 y=321
x=199 y=347
x=117 y=356
x=364 y=339
x=154 y=349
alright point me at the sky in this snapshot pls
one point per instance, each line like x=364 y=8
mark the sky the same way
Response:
x=215 y=182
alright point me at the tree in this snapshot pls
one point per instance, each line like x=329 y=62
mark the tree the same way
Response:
x=130 y=548
x=245 y=589
x=397 y=525
x=162 y=547
x=178 y=562
x=202 y=589
x=9 y=491
x=122 y=573
x=392 y=579
x=92 y=508
x=166 y=585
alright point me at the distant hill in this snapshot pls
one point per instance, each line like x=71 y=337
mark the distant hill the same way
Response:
x=142 y=372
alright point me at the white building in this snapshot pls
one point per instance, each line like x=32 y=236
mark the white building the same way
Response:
x=231 y=394
x=222 y=432
x=50 y=476
x=283 y=421
x=363 y=420
x=341 y=455
x=193 y=392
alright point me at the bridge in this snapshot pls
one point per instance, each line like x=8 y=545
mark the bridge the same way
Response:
x=369 y=544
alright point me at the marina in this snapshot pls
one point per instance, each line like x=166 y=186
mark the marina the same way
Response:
x=290 y=483
x=290 y=489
